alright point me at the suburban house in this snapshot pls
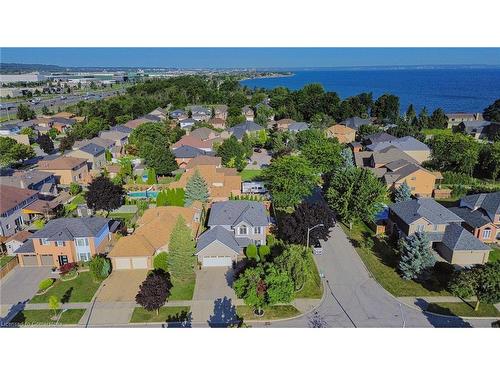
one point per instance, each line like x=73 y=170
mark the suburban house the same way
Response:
x=184 y=154
x=377 y=138
x=481 y=215
x=152 y=236
x=284 y=123
x=197 y=142
x=220 y=112
x=233 y=225
x=356 y=122
x=67 y=169
x=444 y=229
x=178 y=114
x=134 y=124
x=12 y=201
x=152 y=118
x=106 y=143
x=159 y=112
x=343 y=133
x=409 y=145
x=221 y=182
x=296 y=127
x=186 y=123
x=33 y=179
x=203 y=160
x=248 y=112
x=457 y=118
x=66 y=240
x=247 y=127
x=394 y=167
x=199 y=113
x=61 y=123
x=95 y=155
x=119 y=138
x=15 y=241
x=217 y=123
x=477 y=129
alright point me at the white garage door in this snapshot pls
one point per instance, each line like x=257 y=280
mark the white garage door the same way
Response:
x=217 y=262
x=140 y=263
x=122 y=263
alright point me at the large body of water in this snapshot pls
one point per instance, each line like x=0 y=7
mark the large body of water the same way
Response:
x=454 y=90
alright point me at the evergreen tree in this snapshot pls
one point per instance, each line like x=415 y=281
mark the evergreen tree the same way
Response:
x=151 y=176
x=402 y=193
x=415 y=256
x=251 y=252
x=347 y=158
x=161 y=199
x=181 y=249
x=196 y=189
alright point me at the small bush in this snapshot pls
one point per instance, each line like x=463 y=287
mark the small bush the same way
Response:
x=74 y=189
x=99 y=267
x=65 y=268
x=160 y=261
x=45 y=284
x=264 y=251
x=251 y=252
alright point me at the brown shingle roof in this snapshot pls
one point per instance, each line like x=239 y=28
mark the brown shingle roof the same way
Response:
x=63 y=163
x=21 y=236
x=11 y=196
x=132 y=124
x=204 y=160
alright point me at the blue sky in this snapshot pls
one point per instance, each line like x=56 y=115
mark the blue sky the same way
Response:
x=250 y=57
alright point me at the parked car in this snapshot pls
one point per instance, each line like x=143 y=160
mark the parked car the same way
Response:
x=317 y=248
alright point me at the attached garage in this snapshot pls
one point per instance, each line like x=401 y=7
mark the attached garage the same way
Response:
x=140 y=263
x=131 y=263
x=29 y=260
x=216 y=261
x=47 y=260
x=122 y=263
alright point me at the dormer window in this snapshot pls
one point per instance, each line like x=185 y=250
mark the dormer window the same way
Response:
x=242 y=230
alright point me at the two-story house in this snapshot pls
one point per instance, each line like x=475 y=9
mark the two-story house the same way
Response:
x=233 y=225
x=12 y=202
x=481 y=215
x=66 y=240
x=248 y=112
x=443 y=228
x=67 y=169
x=95 y=155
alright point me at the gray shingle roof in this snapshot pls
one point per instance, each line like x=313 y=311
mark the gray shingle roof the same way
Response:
x=489 y=202
x=25 y=248
x=427 y=208
x=93 y=149
x=66 y=229
x=458 y=238
x=186 y=151
x=248 y=126
x=234 y=212
x=404 y=144
x=475 y=219
x=379 y=137
x=356 y=122
x=298 y=126
x=218 y=234
x=122 y=129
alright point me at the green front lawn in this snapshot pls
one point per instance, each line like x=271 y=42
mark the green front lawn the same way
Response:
x=270 y=312
x=437 y=131
x=494 y=254
x=463 y=309
x=166 y=314
x=5 y=259
x=250 y=174
x=43 y=317
x=182 y=290
x=81 y=289
x=381 y=261
x=313 y=287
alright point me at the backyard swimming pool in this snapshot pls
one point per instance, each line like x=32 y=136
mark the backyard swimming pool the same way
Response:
x=143 y=194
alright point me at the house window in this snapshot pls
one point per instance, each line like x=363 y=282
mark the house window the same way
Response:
x=44 y=242
x=82 y=242
x=486 y=234
x=257 y=230
x=420 y=227
x=59 y=243
x=242 y=230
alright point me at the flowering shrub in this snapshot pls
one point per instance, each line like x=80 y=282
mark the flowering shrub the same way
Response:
x=65 y=268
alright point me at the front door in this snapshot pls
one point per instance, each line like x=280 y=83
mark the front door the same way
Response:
x=63 y=259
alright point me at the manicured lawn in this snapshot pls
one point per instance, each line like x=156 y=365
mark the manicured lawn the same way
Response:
x=463 y=309
x=182 y=290
x=81 y=289
x=166 y=314
x=494 y=254
x=313 y=287
x=41 y=317
x=250 y=174
x=381 y=261
x=270 y=312
x=4 y=260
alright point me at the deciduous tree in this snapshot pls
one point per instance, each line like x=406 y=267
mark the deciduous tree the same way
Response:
x=103 y=194
x=45 y=143
x=154 y=291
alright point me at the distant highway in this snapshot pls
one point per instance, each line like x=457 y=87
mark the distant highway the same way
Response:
x=10 y=108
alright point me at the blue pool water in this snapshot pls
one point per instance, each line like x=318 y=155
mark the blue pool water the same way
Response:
x=453 y=89
x=143 y=194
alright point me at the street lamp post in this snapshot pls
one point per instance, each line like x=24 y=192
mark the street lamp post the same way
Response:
x=310 y=229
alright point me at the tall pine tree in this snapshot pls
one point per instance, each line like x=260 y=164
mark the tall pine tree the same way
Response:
x=181 y=259
x=196 y=189
x=402 y=193
x=415 y=256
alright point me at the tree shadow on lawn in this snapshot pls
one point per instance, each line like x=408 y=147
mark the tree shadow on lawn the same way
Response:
x=67 y=295
x=180 y=320
x=450 y=320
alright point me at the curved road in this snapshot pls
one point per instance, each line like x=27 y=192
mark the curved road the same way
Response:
x=354 y=299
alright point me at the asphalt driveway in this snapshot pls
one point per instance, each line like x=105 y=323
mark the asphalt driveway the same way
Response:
x=213 y=283
x=19 y=286
x=121 y=286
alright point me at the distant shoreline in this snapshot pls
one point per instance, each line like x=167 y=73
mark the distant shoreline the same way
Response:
x=266 y=77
